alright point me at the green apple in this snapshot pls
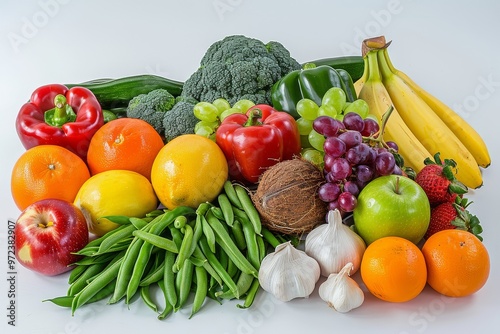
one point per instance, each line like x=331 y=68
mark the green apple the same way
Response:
x=392 y=205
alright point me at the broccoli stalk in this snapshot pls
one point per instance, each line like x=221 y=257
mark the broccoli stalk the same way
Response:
x=238 y=67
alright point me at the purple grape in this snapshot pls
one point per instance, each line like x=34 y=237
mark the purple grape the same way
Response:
x=372 y=154
x=384 y=163
x=370 y=127
x=334 y=147
x=333 y=205
x=397 y=170
x=328 y=192
x=326 y=126
x=364 y=173
x=352 y=187
x=392 y=145
x=340 y=169
x=358 y=154
x=347 y=201
x=328 y=162
x=351 y=138
x=353 y=121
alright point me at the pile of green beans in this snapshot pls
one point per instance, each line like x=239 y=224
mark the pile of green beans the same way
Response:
x=213 y=251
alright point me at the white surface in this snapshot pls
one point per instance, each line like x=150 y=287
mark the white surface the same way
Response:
x=451 y=50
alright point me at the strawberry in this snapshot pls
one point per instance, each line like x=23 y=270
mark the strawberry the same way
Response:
x=437 y=179
x=451 y=215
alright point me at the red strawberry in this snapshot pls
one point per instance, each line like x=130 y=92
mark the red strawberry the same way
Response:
x=451 y=215
x=438 y=181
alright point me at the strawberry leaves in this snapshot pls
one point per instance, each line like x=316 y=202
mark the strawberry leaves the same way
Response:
x=465 y=220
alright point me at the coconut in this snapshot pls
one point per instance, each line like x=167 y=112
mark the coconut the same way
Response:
x=287 y=197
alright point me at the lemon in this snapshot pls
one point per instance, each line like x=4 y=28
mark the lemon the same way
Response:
x=188 y=171
x=114 y=193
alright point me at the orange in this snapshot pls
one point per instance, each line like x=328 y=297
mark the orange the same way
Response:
x=393 y=269
x=189 y=170
x=458 y=263
x=125 y=144
x=47 y=171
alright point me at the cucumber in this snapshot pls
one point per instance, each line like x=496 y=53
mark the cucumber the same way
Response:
x=354 y=65
x=115 y=94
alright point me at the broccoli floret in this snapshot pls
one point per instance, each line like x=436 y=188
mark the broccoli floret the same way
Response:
x=179 y=120
x=152 y=107
x=238 y=67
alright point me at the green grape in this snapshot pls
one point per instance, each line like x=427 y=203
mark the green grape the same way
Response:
x=305 y=126
x=204 y=129
x=207 y=125
x=374 y=118
x=205 y=111
x=336 y=97
x=228 y=112
x=243 y=105
x=339 y=117
x=327 y=110
x=313 y=156
x=304 y=141
x=360 y=107
x=307 y=109
x=316 y=140
x=221 y=104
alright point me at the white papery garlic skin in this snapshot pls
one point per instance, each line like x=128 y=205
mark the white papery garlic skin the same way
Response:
x=341 y=292
x=334 y=245
x=288 y=273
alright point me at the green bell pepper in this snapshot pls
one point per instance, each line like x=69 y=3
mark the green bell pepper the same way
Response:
x=311 y=82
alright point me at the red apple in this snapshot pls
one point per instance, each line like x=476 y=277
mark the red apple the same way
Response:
x=47 y=233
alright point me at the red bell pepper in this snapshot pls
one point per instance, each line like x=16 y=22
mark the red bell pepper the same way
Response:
x=257 y=140
x=60 y=116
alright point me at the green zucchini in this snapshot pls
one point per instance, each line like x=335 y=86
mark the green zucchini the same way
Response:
x=115 y=94
x=354 y=65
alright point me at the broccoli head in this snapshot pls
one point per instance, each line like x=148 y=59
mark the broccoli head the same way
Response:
x=238 y=67
x=179 y=120
x=152 y=107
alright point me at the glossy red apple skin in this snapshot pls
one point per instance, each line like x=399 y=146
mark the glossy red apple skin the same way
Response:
x=47 y=233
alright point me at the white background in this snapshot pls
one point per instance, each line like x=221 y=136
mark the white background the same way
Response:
x=450 y=48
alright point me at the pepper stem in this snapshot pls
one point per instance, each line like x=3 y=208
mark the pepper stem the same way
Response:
x=254 y=117
x=61 y=113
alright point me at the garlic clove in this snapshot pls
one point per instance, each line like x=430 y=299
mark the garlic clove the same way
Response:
x=288 y=273
x=341 y=292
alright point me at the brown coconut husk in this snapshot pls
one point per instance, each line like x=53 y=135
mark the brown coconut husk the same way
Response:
x=287 y=197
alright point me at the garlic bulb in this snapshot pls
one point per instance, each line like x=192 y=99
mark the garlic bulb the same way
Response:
x=288 y=273
x=341 y=292
x=334 y=244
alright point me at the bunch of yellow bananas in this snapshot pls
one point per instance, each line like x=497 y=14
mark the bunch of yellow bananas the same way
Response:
x=420 y=123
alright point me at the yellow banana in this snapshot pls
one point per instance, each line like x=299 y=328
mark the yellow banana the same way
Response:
x=466 y=133
x=378 y=99
x=430 y=130
x=358 y=85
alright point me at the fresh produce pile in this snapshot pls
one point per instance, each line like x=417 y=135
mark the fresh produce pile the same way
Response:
x=209 y=188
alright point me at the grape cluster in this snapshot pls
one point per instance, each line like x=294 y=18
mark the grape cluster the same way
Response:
x=343 y=140
x=212 y=114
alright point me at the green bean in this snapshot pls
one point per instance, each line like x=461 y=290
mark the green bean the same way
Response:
x=231 y=194
x=209 y=233
x=238 y=236
x=224 y=240
x=198 y=254
x=249 y=208
x=177 y=236
x=217 y=212
x=155 y=213
x=253 y=253
x=262 y=248
x=214 y=262
x=227 y=210
x=202 y=208
x=81 y=282
x=124 y=232
x=120 y=220
x=184 y=279
x=168 y=307
x=243 y=284
x=125 y=270
x=63 y=301
x=138 y=269
x=169 y=279
x=156 y=272
x=101 y=281
x=270 y=238
x=88 y=251
x=180 y=221
x=75 y=273
x=139 y=223
x=90 y=260
x=156 y=240
x=184 y=249
x=197 y=232
x=250 y=297
x=232 y=269
x=201 y=290
x=146 y=298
